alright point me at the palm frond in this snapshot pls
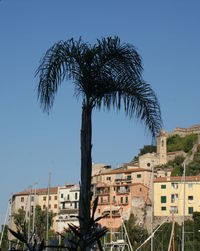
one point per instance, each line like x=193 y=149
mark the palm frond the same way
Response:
x=61 y=61
x=106 y=74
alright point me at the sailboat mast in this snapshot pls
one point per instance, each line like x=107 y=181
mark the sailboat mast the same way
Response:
x=183 y=223
x=47 y=230
x=152 y=205
x=111 y=215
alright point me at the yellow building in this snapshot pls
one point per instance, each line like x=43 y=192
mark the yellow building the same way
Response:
x=169 y=195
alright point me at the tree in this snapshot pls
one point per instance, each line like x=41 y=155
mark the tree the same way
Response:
x=4 y=244
x=137 y=235
x=147 y=149
x=107 y=74
x=40 y=221
x=19 y=219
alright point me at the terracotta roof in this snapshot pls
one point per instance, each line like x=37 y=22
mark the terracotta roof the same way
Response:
x=171 y=153
x=131 y=170
x=52 y=190
x=177 y=179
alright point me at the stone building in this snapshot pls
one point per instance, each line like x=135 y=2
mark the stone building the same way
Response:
x=158 y=158
x=182 y=132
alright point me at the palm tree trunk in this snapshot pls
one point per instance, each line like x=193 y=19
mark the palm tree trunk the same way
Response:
x=86 y=169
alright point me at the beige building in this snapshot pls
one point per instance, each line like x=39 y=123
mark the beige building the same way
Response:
x=169 y=195
x=27 y=199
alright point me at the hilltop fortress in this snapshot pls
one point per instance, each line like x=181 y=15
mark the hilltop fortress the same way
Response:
x=161 y=157
x=182 y=132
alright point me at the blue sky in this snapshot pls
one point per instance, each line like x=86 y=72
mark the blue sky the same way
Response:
x=165 y=33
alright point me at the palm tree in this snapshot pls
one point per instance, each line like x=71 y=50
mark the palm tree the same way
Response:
x=107 y=74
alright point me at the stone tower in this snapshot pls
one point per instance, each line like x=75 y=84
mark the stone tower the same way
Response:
x=162 y=147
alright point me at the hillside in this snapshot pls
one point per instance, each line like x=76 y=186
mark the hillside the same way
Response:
x=188 y=144
x=177 y=143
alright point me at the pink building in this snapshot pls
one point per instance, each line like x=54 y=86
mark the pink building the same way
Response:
x=117 y=190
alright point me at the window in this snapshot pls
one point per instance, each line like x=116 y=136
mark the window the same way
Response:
x=174 y=209
x=44 y=198
x=32 y=198
x=68 y=197
x=174 y=198
x=163 y=186
x=99 y=211
x=122 y=200
x=31 y=209
x=22 y=207
x=114 y=200
x=190 y=210
x=49 y=206
x=63 y=205
x=129 y=177
x=44 y=207
x=22 y=199
x=163 y=199
x=55 y=206
x=148 y=164
x=75 y=204
x=163 y=208
x=61 y=196
x=190 y=198
x=140 y=189
x=108 y=178
x=190 y=185
x=101 y=200
x=139 y=176
x=108 y=199
x=76 y=196
x=49 y=197
x=126 y=199
x=174 y=185
x=55 y=197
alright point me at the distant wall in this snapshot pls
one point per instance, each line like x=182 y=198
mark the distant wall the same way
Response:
x=182 y=132
x=173 y=155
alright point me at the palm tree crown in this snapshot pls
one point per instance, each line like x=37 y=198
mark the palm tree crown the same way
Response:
x=107 y=73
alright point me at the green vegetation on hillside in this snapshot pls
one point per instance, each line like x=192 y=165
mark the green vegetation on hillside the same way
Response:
x=177 y=143
x=162 y=237
x=193 y=168
x=177 y=165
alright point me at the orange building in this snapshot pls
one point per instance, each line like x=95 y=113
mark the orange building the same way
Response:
x=118 y=191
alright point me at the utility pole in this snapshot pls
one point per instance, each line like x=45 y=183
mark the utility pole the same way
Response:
x=33 y=227
x=183 y=222
x=47 y=230
x=152 y=206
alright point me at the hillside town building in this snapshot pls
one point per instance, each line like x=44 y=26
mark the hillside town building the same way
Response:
x=169 y=196
x=68 y=206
